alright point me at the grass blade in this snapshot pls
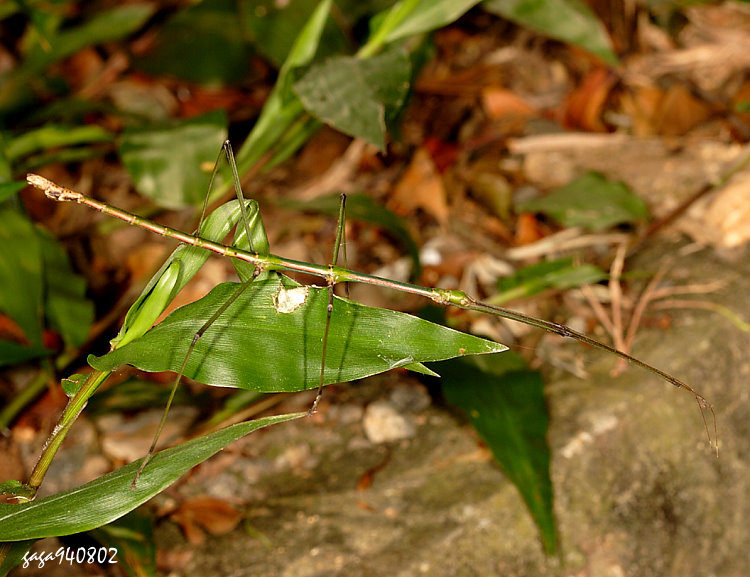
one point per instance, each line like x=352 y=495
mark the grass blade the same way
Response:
x=110 y=497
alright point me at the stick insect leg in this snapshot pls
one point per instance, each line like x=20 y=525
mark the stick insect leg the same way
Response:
x=229 y=154
x=340 y=242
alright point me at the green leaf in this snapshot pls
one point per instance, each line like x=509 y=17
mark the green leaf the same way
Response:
x=202 y=43
x=14 y=354
x=21 y=274
x=167 y=164
x=72 y=384
x=504 y=401
x=270 y=339
x=430 y=15
x=8 y=189
x=420 y=368
x=568 y=20
x=275 y=26
x=133 y=538
x=357 y=96
x=37 y=281
x=559 y=274
x=66 y=307
x=142 y=317
x=15 y=487
x=15 y=555
x=364 y=208
x=592 y=202
x=54 y=136
x=110 y=497
x=102 y=27
x=283 y=108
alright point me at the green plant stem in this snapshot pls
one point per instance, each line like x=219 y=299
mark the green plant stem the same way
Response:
x=24 y=397
x=73 y=409
x=335 y=274
x=395 y=16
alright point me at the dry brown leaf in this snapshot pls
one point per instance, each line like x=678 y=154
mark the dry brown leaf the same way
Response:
x=673 y=112
x=584 y=106
x=716 y=48
x=170 y=561
x=202 y=99
x=527 y=229
x=642 y=105
x=679 y=112
x=421 y=187
x=502 y=103
x=10 y=330
x=203 y=512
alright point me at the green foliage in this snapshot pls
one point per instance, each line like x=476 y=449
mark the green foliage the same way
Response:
x=357 y=96
x=568 y=20
x=132 y=536
x=591 y=202
x=66 y=308
x=286 y=321
x=412 y=18
x=211 y=43
x=273 y=28
x=39 y=289
x=42 y=145
x=504 y=401
x=280 y=120
x=167 y=163
x=15 y=555
x=110 y=497
x=558 y=274
x=50 y=41
x=21 y=275
x=202 y=43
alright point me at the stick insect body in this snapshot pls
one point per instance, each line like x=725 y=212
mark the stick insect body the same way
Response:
x=334 y=274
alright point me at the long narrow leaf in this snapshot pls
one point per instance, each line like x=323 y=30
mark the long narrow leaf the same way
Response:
x=110 y=497
x=283 y=107
x=15 y=556
x=270 y=339
x=505 y=403
x=430 y=15
x=567 y=20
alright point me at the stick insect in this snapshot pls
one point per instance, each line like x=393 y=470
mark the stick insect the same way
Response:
x=263 y=262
